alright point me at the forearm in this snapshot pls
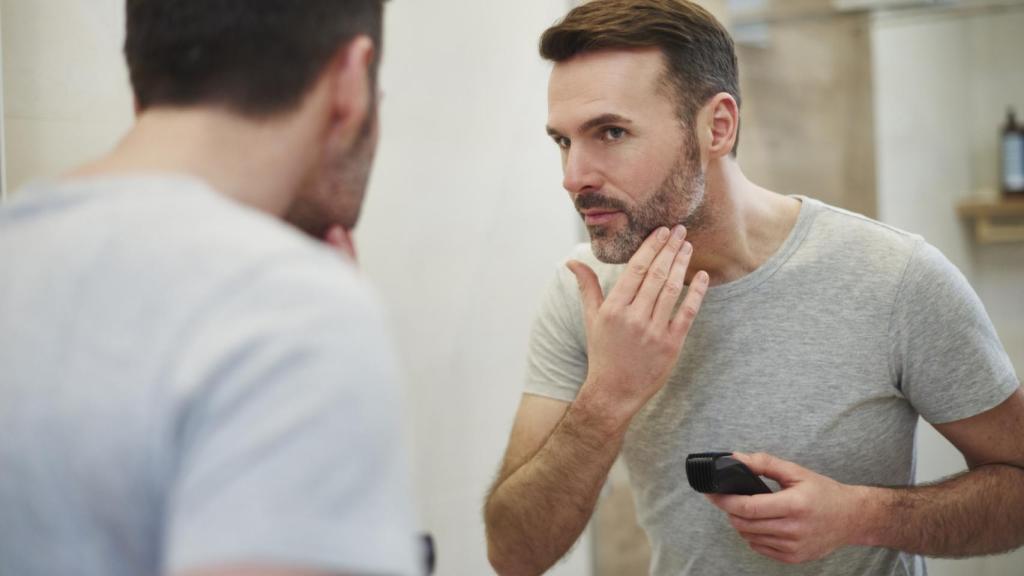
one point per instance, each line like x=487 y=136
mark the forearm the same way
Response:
x=975 y=513
x=535 y=514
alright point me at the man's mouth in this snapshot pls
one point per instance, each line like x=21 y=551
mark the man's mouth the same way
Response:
x=599 y=217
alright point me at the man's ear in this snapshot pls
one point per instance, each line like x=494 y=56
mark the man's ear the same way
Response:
x=350 y=83
x=721 y=122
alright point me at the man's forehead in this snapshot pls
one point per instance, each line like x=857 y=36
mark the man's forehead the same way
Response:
x=607 y=81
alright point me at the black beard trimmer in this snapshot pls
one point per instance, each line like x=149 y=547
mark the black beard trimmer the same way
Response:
x=720 y=473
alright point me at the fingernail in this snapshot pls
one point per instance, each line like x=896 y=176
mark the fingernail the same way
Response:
x=679 y=231
x=704 y=277
x=687 y=247
x=662 y=234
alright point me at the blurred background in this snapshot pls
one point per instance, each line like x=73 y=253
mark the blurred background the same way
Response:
x=889 y=108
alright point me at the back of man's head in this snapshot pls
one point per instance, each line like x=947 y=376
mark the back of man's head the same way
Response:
x=253 y=57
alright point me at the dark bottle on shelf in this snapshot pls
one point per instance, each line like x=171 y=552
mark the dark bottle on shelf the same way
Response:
x=1012 y=165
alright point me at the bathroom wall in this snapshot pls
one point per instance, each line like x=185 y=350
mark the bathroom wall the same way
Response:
x=943 y=83
x=66 y=94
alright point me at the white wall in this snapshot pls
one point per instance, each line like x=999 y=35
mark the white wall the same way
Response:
x=66 y=88
x=942 y=86
x=465 y=222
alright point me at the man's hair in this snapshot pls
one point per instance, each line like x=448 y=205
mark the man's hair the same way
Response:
x=699 y=54
x=254 y=57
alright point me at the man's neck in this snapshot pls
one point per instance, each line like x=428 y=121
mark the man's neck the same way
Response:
x=261 y=164
x=744 y=225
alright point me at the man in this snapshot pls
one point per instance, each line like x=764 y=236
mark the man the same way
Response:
x=820 y=339
x=189 y=384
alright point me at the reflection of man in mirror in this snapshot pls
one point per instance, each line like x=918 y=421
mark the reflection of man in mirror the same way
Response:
x=708 y=313
x=192 y=382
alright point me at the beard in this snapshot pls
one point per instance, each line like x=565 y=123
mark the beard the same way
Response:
x=679 y=199
x=334 y=193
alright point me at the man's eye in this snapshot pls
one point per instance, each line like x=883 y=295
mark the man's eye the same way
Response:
x=562 y=142
x=612 y=134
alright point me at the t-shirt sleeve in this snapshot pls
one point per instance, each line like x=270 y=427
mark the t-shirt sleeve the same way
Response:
x=948 y=360
x=289 y=448
x=557 y=354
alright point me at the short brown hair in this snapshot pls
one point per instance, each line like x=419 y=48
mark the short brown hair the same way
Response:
x=699 y=54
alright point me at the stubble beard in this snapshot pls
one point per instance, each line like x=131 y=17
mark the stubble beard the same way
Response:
x=679 y=199
x=339 y=189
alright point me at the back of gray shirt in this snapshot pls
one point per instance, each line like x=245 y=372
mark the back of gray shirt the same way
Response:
x=186 y=383
x=825 y=356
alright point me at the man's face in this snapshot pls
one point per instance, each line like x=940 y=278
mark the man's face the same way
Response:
x=336 y=188
x=630 y=165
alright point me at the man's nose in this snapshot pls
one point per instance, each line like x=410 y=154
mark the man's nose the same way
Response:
x=579 y=174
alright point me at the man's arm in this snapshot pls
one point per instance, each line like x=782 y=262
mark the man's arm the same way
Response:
x=557 y=460
x=980 y=511
x=559 y=455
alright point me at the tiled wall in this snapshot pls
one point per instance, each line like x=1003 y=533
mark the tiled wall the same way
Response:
x=808 y=122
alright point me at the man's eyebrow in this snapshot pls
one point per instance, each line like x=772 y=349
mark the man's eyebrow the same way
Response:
x=602 y=120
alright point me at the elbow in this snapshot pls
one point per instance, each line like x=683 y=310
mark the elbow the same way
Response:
x=507 y=565
x=499 y=561
x=504 y=562
x=501 y=565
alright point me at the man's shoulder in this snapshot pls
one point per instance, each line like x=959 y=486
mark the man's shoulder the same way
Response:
x=842 y=225
x=172 y=242
x=263 y=261
x=846 y=238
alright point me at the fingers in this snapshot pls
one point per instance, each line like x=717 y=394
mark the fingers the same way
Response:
x=590 y=288
x=771 y=552
x=341 y=240
x=661 y=273
x=774 y=527
x=636 y=270
x=757 y=507
x=782 y=471
x=688 y=310
x=669 y=295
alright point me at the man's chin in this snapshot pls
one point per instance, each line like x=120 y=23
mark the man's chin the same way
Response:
x=608 y=251
x=309 y=221
x=316 y=221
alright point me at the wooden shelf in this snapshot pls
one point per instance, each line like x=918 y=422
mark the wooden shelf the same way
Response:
x=995 y=221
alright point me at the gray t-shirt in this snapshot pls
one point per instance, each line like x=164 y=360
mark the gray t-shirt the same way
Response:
x=825 y=356
x=187 y=382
